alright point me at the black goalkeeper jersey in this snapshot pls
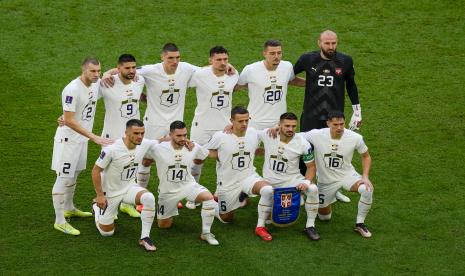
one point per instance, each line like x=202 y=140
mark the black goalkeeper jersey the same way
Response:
x=325 y=81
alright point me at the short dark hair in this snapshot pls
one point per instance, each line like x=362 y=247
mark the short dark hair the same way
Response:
x=238 y=110
x=218 y=50
x=134 y=122
x=90 y=59
x=126 y=58
x=170 y=47
x=177 y=125
x=272 y=43
x=288 y=116
x=335 y=114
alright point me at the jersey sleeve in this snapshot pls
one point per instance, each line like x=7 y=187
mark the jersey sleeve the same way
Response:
x=351 y=86
x=151 y=148
x=361 y=147
x=144 y=70
x=105 y=158
x=291 y=74
x=300 y=65
x=200 y=152
x=308 y=136
x=307 y=152
x=193 y=80
x=69 y=99
x=243 y=76
x=214 y=142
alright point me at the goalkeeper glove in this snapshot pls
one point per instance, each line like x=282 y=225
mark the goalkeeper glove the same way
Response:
x=356 y=120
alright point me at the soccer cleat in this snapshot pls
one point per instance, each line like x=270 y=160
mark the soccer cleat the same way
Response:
x=77 y=213
x=243 y=199
x=362 y=229
x=342 y=198
x=147 y=244
x=312 y=233
x=262 y=232
x=210 y=238
x=129 y=209
x=191 y=205
x=67 y=229
x=179 y=205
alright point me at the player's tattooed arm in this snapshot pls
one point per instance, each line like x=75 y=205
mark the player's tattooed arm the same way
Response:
x=311 y=171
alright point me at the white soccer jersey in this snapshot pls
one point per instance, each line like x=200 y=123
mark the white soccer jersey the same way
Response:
x=282 y=159
x=235 y=157
x=267 y=91
x=333 y=157
x=120 y=165
x=166 y=94
x=78 y=98
x=121 y=104
x=174 y=166
x=214 y=98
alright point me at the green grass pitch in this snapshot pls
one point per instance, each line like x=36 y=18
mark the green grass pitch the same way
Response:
x=410 y=64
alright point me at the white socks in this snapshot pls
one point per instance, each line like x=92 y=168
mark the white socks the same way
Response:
x=60 y=194
x=148 y=213
x=311 y=205
x=208 y=215
x=364 y=204
x=264 y=205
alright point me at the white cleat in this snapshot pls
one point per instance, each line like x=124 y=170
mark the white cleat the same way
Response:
x=210 y=238
x=342 y=198
x=191 y=205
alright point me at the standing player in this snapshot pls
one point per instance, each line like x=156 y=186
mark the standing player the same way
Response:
x=79 y=100
x=174 y=162
x=327 y=72
x=236 y=173
x=334 y=148
x=281 y=167
x=267 y=82
x=114 y=178
x=214 y=90
x=121 y=105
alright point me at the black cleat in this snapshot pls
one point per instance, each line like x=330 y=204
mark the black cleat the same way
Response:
x=312 y=233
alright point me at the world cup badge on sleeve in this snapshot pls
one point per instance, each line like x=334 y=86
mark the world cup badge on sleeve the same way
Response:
x=286 y=206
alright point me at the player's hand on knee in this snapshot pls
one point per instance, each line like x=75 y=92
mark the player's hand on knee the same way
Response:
x=101 y=202
x=302 y=187
x=356 y=120
x=368 y=184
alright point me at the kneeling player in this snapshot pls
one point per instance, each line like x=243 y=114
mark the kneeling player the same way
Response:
x=333 y=149
x=119 y=163
x=174 y=162
x=281 y=167
x=236 y=173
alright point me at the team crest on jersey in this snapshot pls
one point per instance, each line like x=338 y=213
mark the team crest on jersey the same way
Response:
x=338 y=71
x=68 y=99
x=91 y=94
x=334 y=147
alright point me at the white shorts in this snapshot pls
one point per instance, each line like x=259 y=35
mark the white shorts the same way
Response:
x=327 y=192
x=229 y=200
x=201 y=136
x=289 y=183
x=68 y=157
x=262 y=125
x=129 y=197
x=154 y=132
x=167 y=205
